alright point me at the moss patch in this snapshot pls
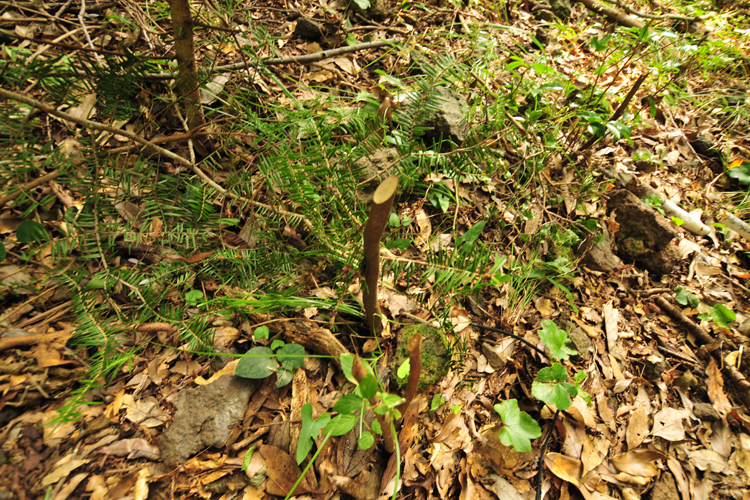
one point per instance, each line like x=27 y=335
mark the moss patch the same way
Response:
x=435 y=354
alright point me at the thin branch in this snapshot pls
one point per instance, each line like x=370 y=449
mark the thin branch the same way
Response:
x=27 y=187
x=630 y=10
x=140 y=140
x=317 y=56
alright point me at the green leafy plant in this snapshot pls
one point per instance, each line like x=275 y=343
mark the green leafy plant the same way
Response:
x=684 y=297
x=551 y=386
x=280 y=359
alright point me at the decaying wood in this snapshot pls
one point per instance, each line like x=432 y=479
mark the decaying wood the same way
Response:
x=314 y=339
x=379 y=211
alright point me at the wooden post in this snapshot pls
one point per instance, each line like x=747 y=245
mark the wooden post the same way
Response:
x=379 y=212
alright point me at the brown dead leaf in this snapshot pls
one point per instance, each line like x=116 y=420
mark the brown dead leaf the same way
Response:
x=65 y=492
x=132 y=448
x=668 y=424
x=61 y=471
x=715 y=388
x=282 y=472
x=566 y=468
x=422 y=237
x=638 y=427
x=638 y=462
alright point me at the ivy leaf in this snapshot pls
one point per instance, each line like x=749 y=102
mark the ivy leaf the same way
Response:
x=261 y=332
x=257 y=363
x=291 y=356
x=518 y=426
x=683 y=297
x=556 y=340
x=341 y=424
x=29 y=230
x=722 y=315
x=284 y=377
x=310 y=429
x=366 y=441
x=348 y=404
x=551 y=387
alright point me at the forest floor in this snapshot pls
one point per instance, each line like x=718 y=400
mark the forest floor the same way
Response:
x=540 y=234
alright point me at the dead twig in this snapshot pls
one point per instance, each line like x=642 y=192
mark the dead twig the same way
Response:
x=317 y=56
x=28 y=186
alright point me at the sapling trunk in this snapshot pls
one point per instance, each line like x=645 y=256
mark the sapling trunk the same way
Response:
x=379 y=212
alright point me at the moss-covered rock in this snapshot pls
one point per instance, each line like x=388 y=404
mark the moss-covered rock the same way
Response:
x=436 y=355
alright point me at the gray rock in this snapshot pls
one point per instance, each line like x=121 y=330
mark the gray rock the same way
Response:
x=448 y=121
x=644 y=235
x=205 y=417
x=705 y=412
x=561 y=8
x=598 y=255
x=378 y=10
x=308 y=29
x=581 y=341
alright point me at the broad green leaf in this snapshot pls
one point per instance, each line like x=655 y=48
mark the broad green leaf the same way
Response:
x=404 y=369
x=392 y=400
x=261 y=332
x=31 y=230
x=518 y=426
x=363 y=4
x=347 y=360
x=276 y=344
x=348 y=404
x=257 y=363
x=310 y=429
x=3 y=253
x=192 y=297
x=684 y=297
x=351 y=39
x=394 y=221
x=722 y=315
x=551 y=387
x=376 y=427
x=470 y=236
x=284 y=377
x=366 y=441
x=341 y=424
x=368 y=386
x=556 y=340
x=438 y=400
x=291 y=356
x=740 y=171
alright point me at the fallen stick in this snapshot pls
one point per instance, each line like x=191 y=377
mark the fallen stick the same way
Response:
x=277 y=61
